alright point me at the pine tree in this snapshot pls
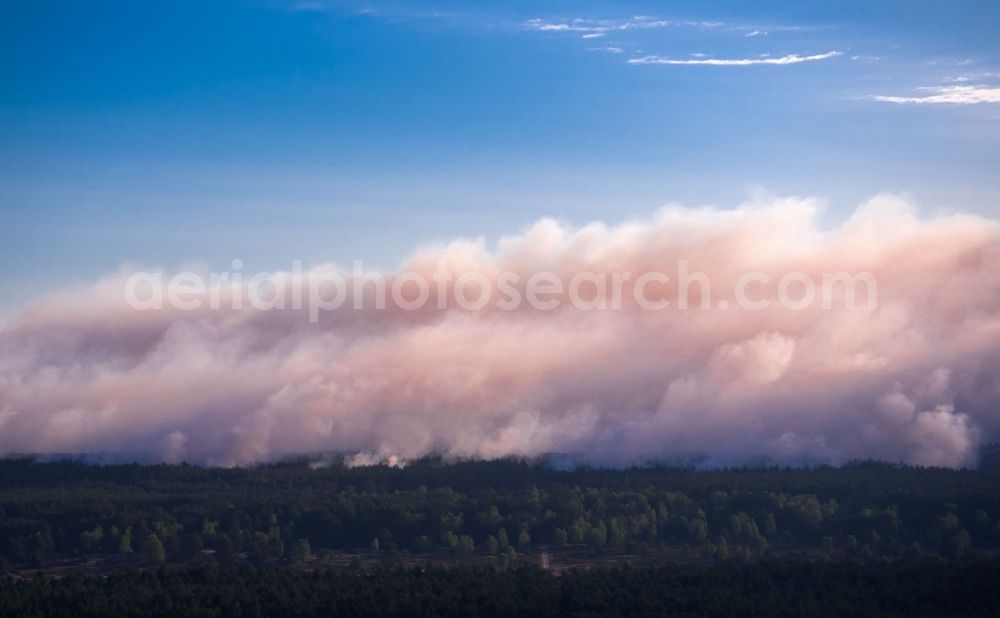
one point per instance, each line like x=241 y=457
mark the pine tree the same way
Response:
x=152 y=549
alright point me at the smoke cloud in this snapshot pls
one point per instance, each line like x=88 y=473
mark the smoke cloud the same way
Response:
x=916 y=379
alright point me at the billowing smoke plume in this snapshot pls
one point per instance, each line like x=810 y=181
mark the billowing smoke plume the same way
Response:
x=916 y=379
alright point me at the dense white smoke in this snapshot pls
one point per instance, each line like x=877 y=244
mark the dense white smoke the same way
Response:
x=916 y=379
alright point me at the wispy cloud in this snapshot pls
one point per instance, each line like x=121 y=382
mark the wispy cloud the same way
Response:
x=735 y=62
x=597 y=27
x=609 y=49
x=594 y=28
x=947 y=95
x=751 y=30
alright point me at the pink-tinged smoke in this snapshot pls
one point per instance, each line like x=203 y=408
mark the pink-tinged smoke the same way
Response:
x=915 y=379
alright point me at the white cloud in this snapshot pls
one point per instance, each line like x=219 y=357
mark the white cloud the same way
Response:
x=947 y=95
x=790 y=59
x=610 y=50
x=597 y=27
x=593 y=35
x=913 y=380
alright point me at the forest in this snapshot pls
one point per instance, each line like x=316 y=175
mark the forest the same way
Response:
x=765 y=589
x=495 y=538
x=67 y=515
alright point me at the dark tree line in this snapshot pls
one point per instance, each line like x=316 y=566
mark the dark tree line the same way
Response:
x=288 y=511
x=768 y=588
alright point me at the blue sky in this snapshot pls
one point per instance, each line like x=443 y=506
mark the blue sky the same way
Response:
x=166 y=134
